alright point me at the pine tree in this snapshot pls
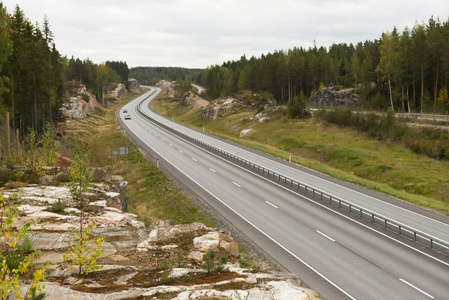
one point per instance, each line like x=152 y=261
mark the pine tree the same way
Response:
x=436 y=49
x=419 y=56
x=5 y=45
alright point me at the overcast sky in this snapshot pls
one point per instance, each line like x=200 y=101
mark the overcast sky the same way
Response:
x=200 y=33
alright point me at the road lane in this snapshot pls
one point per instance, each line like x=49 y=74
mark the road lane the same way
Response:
x=416 y=220
x=361 y=263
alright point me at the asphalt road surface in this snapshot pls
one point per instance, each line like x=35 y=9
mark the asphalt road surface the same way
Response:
x=333 y=251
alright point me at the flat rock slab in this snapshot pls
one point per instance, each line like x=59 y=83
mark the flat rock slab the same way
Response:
x=49 y=240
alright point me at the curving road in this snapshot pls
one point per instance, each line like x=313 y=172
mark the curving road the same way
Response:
x=335 y=253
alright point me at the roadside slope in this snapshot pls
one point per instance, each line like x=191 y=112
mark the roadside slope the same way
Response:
x=341 y=153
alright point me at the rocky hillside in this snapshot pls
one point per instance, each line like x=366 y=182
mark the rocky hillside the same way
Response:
x=335 y=96
x=163 y=261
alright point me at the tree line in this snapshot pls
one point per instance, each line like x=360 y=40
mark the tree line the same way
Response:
x=407 y=71
x=152 y=75
x=34 y=75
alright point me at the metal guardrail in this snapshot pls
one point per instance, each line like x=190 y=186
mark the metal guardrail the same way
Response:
x=401 y=228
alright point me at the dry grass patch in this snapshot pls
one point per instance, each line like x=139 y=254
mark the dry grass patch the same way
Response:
x=150 y=194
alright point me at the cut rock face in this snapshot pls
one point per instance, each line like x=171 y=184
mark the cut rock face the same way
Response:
x=136 y=259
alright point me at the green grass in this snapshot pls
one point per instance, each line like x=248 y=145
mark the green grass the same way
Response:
x=342 y=153
x=150 y=194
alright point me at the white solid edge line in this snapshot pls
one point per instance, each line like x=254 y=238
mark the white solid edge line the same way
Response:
x=319 y=204
x=372 y=229
x=326 y=236
x=336 y=212
x=361 y=224
x=258 y=229
x=418 y=289
x=335 y=184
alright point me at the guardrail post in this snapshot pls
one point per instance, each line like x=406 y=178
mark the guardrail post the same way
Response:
x=372 y=218
x=414 y=236
x=399 y=229
x=431 y=243
x=385 y=225
x=350 y=208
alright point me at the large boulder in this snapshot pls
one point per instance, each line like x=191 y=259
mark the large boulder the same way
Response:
x=120 y=91
x=216 y=241
x=133 y=85
x=215 y=111
x=166 y=230
x=168 y=86
x=246 y=132
x=192 y=100
x=261 y=117
x=335 y=96
x=77 y=108
x=98 y=174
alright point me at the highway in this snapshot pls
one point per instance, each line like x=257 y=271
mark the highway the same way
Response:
x=333 y=252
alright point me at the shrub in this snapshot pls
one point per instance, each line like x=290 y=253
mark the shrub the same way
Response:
x=16 y=259
x=31 y=177
x=219 y=269
x=297 y=107
x=58 y=206
x=84 y=249
x=165 y=279
x=148 y=284
x=179 y=258
x=6 y=175
x=165 y=265
x=19 y=176
x=60 y=178
x=223 y=259
x=209 y=262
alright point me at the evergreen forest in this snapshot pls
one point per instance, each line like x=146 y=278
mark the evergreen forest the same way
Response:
x=35 y=79
x=407 y=71
x=404 y=70
x=152 y=75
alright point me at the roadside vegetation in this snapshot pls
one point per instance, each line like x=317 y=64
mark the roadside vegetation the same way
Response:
x=343 y=152
x=402 y=70
x=150 y=194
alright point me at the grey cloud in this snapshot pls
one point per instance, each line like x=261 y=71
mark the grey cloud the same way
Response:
x=199 y=33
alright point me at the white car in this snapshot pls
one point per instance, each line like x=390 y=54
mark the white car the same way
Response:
x=128 y=117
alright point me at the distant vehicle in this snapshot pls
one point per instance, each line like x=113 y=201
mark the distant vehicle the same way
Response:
x=128 y=117
x=125 y=111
